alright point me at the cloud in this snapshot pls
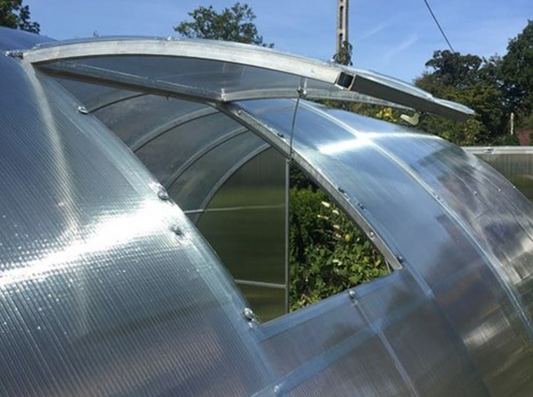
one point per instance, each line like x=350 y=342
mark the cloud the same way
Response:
x=405 y=44
x=372 y=32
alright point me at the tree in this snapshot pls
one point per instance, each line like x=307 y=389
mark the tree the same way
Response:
x=517 y=73
x=344 y=56
x=16 y=16
x=475 y=82
x=232 y=24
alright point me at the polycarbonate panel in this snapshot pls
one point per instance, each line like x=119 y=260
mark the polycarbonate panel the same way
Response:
x=141 y=119
x=106 y=290
x=167 y=155
x=201 y=180
x=515 y=163
x=347 y=153
x=214 y=76
x=245 y=220
x=13 y=39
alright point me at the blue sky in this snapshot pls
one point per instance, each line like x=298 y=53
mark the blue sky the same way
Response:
x=395 y=37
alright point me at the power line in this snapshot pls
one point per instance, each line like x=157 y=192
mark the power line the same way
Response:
x=438 y=25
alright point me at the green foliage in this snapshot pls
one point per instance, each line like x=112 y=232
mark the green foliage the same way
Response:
x=16 y=16
x=231 y=24
x=328 y=253
x=472 y=81
x=517 y=72
x=344 y=56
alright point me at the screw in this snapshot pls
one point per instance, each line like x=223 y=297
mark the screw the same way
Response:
x=163 y=194
x=176 y=230
x=82 y=110
x=249 y=314
x=352 y=295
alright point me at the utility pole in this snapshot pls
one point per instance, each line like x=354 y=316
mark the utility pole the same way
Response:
x=342 y=23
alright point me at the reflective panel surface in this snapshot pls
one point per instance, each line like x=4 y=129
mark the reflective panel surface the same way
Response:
x=107 y=289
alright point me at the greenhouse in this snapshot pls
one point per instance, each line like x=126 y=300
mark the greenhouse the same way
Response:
x=144 y=238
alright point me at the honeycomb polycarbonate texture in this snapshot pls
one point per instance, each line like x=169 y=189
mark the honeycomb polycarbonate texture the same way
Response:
x=105 y=289
x=194 y=151
x=108 y=290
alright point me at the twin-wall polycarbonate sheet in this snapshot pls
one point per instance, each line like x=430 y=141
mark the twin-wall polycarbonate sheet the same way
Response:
x=208 y=75
x=168 y=155
x=139 y=120
x=515 y=163
x=199 y=182
x=399 y=207
x=246 y=220
x=245 y=224
x=106 y=290
x=497 y=214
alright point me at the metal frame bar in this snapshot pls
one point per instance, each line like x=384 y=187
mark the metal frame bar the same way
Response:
x=163 y=129
x=339 y=77
x=280 y=143
x=205 y=150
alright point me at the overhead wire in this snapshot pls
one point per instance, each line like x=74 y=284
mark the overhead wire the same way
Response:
x=439 y=25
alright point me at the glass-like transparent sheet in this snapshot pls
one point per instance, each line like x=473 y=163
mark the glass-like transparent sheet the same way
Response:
x=208 y=75
x=180 y=149
x=140 y=119
x=196 y=186
x=245 y=220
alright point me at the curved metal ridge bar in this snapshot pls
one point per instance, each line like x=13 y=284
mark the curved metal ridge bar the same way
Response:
x=340 y=77
x=198 y=155
x=110 y=100
x=310 y=94
x=230 y=172
x=201 y=49
x=281 y=144
x=111 y=78
x=163 y=129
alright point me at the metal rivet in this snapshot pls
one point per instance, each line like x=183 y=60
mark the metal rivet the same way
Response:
x=248 y=314
x=82 y=110
x=163 y=194
x=176 y=230
x=239 y=112
x=361 y=206
x=277 y=390
x=15 y=54
x=280 y=135
x=371 y=235
x=400 y=258
x=352 y=295
x=340 y=189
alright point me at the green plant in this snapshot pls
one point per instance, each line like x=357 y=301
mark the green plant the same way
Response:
x=328 y=253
